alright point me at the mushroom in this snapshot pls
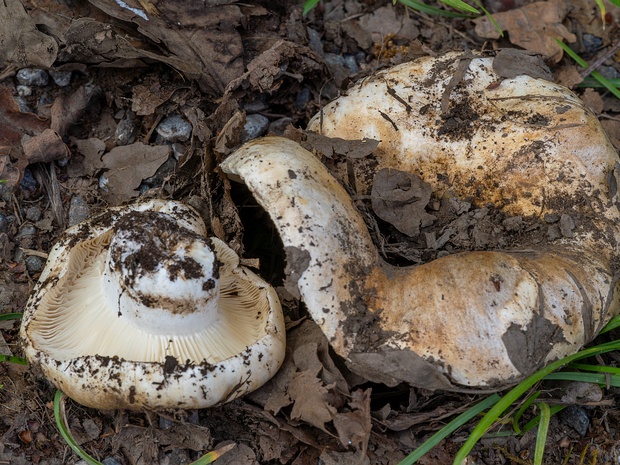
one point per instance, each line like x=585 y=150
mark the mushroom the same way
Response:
x=473 y=320
x=137 y=308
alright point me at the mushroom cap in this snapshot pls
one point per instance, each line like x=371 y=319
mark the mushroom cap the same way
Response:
x=474 y=319
x=136 y=308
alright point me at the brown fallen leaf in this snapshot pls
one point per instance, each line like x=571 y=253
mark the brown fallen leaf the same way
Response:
x=128 y=165
x=87 y=160
x=14 y=124
x=533 y=27
x=42 y=148
x=180 y=27
x=309 y=396
x=612 y=128
x=67 y=108
x=21 y=43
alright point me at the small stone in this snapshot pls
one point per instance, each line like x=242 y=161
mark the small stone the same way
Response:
x=103 y=182
x=303 y=97
x=4 y=223
x=126 y=131
x=61 y=78
x=315 y=40
x=33 y=214
x=553 y=232
x=256 y=105
x=26 y=230
x=91 y=428
x=23 y=104
x=34 y=264
x=33 y=77
x=165 y=423
x=255 y=126
x=278 y=126
x=514 y=223
x=24 y=91
x=567 y=225
x=550 y=218
x=174 y=128
x=351 y=64
x=28 y=183
x=576 y=417
x=591 y=43
x=78 y=210
x=110 y=461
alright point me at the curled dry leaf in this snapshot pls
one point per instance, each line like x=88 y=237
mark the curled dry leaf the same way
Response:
x=533 y=27
x=21 y=43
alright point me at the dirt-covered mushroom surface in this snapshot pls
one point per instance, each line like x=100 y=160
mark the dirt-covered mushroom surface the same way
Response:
x=106 y=103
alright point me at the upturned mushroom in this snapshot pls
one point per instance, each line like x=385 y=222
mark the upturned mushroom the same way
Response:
x=470 y=320
x=138 y=308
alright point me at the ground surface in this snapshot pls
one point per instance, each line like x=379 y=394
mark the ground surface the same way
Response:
x=232 y=72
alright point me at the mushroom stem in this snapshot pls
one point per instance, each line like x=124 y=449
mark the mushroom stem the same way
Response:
x=476 y=319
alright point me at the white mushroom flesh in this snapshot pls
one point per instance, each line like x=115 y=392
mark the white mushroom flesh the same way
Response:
x=479 y=319
x=154 y=302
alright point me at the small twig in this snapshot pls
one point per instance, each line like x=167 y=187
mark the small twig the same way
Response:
x=600 y=60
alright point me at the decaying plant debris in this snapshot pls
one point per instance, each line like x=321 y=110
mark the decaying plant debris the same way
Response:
x=231 y=72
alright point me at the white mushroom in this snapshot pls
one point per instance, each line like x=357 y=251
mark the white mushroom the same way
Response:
x=475 y=319
x=137 y=308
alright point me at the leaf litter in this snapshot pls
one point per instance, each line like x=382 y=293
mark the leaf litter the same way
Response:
x=94 y=142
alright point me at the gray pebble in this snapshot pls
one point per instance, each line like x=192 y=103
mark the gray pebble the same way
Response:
x=576 y=417
x=78 y=210
x=303 y=97
x=26 y=230
x=553 y=232
x=278 y=126
x=24 y=91
x=255 y=126
x=33 y=77
x=34 y=264
x=351 y=64
x=110 y=461
x=23 y=104
x=126 y=131
x=103 y=182
x=591 y=43
x=256 y=105
x=4 y=223
x=334 y=60
x=61 y=78
x=165 y=423
x=33 y=213
x=551 y=218
x=567 y=225
x=174 y=128
x=315 y=40
x=514 y=223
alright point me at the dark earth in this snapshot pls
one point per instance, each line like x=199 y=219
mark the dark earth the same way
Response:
x=134 y=107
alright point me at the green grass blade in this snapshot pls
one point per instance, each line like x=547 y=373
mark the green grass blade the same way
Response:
x=595 y=368
x=449 y=429
x=431 y=10
x=460 y=5
x=214 y=455
x=12 y=359
x=543 y=431
x=615 y=321
x=10 y=316
x=534 y=421
x=584 y=64
x=505 y=402
x=613 y=380
x=309 y=5
x=61 y=422
x=515 y=421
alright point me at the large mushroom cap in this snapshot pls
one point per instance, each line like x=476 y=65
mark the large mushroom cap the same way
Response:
x=474 y=319
x=137 y=308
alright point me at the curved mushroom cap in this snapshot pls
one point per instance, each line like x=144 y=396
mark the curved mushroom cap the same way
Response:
x=475 y=319
x=522 y=144
x=137 y=308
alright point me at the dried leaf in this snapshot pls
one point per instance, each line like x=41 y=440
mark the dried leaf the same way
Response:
x=354 y=427
x=309 y=393
x=179 y=27
x=13 y=123
x=128 y=165
x=67 y=108
x=533 y=27
x=42 y=148
x=21 y=43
